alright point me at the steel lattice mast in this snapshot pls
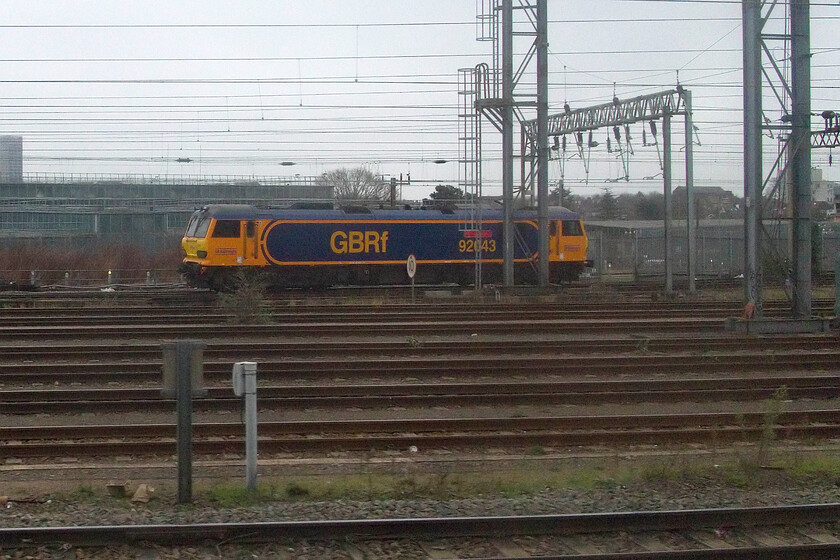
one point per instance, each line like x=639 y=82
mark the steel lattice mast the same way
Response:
x=501 y=101
x=794 y=161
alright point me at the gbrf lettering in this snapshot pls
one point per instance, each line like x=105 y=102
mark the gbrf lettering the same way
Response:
x=342 y=242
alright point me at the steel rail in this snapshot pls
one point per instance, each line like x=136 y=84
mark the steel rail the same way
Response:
x=110 y=400
x=435 y=366
x=221 y=318
x=109 y=316
x=420 y=327
x=425 y=528
x=320 y=309
x=705 y=342
x=565 y=431
x=577 y=302
x=577 y=297
x=822 y=551
x=167 y=293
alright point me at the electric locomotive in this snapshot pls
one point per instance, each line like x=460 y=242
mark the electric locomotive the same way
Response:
x=354 y=246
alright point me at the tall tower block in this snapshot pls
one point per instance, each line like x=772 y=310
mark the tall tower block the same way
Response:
x=11 y=159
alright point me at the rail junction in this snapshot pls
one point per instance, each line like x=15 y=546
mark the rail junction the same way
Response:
x=456 y=381
x=468 y=360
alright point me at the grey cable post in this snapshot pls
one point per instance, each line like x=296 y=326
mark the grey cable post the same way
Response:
x=245 y=384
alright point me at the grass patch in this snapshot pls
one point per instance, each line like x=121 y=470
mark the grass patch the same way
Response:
x=674 y=472
x=515 y=483
x=763 y=454
x=247 y=303
x=239 y=496
x=375 y=487
x=643 y=346
x=821 y=466
x=84 y=493
x=739 y=478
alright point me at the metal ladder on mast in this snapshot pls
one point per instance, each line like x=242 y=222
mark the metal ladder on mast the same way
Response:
x=469 y=139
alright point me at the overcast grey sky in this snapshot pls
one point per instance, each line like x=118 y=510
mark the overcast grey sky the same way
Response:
x=239 y=87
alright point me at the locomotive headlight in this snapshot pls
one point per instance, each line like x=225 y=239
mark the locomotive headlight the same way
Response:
x=201 y=254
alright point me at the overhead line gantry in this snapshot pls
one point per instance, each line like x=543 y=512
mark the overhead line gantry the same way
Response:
x=651 y=107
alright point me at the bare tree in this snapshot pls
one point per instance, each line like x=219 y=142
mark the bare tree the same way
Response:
x=358 y=183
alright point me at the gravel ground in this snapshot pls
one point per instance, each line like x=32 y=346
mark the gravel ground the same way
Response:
x=767 y=489
x=723 y=488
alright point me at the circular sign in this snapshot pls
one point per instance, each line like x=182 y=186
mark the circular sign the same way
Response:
x=411 y=266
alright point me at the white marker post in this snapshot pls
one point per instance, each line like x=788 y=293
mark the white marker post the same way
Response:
x=245 y=384
x=411 y=269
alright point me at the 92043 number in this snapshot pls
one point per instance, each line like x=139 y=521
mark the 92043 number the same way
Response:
x=472 y=245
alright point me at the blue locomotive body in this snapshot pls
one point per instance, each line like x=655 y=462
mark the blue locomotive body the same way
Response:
x=370 y=246
x=389 y=236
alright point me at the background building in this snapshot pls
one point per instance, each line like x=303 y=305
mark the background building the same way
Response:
x=147 y=211
x=11 y=159
x=821 y=190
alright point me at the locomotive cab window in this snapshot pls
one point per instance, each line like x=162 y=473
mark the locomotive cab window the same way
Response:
x=226 y=228
x=553 y=227
x=572 y=228
x=251 y=229
x=198 y=226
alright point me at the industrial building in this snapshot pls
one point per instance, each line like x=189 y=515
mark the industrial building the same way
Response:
x=147 y=210
x=11 y=159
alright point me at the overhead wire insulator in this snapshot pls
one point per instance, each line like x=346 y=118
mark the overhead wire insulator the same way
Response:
x=655 y=143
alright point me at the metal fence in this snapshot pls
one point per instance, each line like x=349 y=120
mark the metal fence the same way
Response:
x=637 y=249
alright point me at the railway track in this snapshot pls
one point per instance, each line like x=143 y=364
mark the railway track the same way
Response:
x=397 y=373
x=432 y=367
x=424 y=433
x=104 y=362
x=787 y=532
x=296 y=347
x=130 y=313
x=417 y=395
x=185 y=320
x=418 y=327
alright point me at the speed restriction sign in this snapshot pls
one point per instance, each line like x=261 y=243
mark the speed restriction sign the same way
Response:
x=411 y=266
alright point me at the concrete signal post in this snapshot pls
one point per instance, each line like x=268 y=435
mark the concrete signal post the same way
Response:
x=245 y=385
x=183 y=378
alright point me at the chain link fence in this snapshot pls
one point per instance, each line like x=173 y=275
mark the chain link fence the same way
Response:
x=637 y=249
